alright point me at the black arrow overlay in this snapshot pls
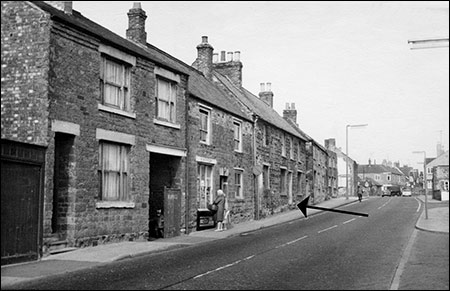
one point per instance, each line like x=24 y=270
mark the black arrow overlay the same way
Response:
x=304 y=204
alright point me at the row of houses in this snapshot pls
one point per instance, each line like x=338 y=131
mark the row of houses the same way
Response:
x=375 y=177
x=100 y=133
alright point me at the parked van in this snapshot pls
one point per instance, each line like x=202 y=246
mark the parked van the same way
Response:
x=391 y=190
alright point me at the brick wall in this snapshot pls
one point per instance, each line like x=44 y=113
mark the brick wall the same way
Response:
x=272 y=200
x=24 y=71
x=221 y=150
x=52 y=74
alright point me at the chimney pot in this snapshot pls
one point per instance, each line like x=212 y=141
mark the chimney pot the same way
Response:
x=137 y=5
x=222 y=56
x=263 y=87
x=215 y=57
x=229 y=56
x=292 y=105
x=269 y=85
x=287 y=106
x=204 y=39
x=237 y=56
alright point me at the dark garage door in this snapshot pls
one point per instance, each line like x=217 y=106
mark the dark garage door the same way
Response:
x=20 y=199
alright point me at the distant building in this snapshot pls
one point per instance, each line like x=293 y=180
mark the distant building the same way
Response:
x=440 y=176
x=382 y=174
x=346 y=170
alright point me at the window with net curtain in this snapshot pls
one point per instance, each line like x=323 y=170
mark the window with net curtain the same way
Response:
x=115 y=83
x=238 y=179
x=166 y=100
x=237 y=136
x=204 y=125
x=204 y=184
x=113 y=170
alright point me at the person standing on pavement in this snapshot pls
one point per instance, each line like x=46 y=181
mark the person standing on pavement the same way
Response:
x=220 y=202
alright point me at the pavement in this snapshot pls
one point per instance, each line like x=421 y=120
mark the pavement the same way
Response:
x=437 y=220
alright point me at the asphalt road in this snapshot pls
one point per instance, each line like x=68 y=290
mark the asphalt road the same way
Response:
x=326 y=251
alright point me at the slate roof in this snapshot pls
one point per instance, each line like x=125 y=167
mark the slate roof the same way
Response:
x=198 y=85
x=259 y=107
x=442 y=160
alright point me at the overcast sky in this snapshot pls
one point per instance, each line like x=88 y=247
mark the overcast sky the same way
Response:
x=340 y=63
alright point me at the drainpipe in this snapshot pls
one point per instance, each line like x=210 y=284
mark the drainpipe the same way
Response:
x=255 y=180
x=186 y=169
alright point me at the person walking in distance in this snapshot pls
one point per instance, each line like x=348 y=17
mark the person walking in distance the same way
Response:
x=360 y=191
x=220 y=202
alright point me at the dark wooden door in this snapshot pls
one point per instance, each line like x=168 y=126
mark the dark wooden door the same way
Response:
x=20 y=191
x=172 y=212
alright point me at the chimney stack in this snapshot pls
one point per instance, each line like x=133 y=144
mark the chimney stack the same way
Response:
x=266 y=94
x=290 y=113
x=65 y=6
x=136 y=24
x=230 y=65
x=330 y=143
x=204 y=61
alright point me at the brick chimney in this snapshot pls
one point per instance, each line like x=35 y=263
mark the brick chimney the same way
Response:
x=229 y=66
x=65 y=6
x=266 y=94
x=330 y=143
x=136 y=24
x=204 y=61
x=289 y=113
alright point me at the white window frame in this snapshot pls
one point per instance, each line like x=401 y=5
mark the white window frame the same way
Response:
x=283 y=181
x=237 y=124
x=207 y=130
x=239 y=183
x=283 y=144
x=265 y=135
x=266 y=176
x=120 y=81
x=122 y=172
x=289 y=179
x=299 y=182
x=291 y=148
x=166 y=107
x=205 y=184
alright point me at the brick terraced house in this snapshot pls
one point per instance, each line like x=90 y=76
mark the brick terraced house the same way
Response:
x=100 y=134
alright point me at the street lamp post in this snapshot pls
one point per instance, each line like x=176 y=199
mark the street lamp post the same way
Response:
x=346 y=153
x=424 y=182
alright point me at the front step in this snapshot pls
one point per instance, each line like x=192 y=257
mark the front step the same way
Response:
x=63 y=250
x=60 y=246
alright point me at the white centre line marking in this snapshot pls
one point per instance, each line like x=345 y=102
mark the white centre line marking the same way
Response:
x=295 y=240
x=327 y=229
x=349 y=221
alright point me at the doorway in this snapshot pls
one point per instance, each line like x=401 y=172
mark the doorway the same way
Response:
x=164 y=192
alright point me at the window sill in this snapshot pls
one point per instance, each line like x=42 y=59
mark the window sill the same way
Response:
x=116 y=111
x=114 y=204
x=166 y=123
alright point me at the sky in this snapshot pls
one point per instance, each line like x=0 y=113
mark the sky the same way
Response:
x=341 y=63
